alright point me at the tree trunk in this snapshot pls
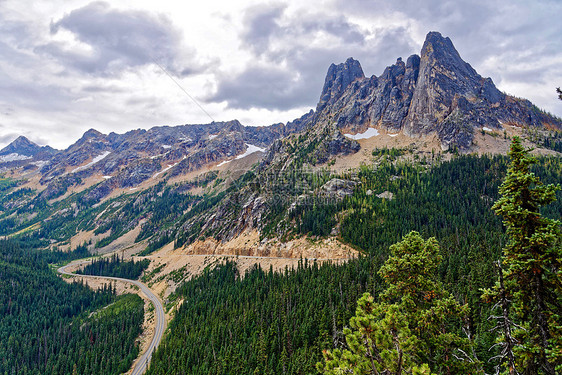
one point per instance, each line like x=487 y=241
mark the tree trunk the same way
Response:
x=542 y=324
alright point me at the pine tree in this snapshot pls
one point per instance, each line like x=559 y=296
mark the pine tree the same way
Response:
x=379 y=342
x=411 y=331
x=532 y=269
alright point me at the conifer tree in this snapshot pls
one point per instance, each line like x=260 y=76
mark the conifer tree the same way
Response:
x=532 y=270
x=411 y=331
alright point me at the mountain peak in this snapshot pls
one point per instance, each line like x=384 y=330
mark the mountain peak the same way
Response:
x=23 y=141
x=435 y=92
x=339 y=77
x=91 y=133
x=21 y=145
x=435 y=36
x=439 y=50
x=438 y=42
x=449 y=89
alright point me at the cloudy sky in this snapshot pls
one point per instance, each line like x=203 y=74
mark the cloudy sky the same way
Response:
x=70 y=65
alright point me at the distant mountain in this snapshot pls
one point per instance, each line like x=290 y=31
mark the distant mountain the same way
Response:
x=24 y=147
x=22 y=151
x=115 y=161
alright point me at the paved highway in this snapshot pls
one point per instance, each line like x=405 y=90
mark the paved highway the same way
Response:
x=142 y=363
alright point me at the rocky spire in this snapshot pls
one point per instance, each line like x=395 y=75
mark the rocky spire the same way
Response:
x=444 y=79
x=338 y=78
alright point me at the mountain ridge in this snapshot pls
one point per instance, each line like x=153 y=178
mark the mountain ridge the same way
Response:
x=430 y=101
x=436 y=92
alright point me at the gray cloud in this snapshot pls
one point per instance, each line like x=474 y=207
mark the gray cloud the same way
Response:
x=118 y=40
x=101 y=88
x=261 y=26
x=16 y=93
x=290 y=72
x=47 y=98
x=262 y=86
x=7 y=138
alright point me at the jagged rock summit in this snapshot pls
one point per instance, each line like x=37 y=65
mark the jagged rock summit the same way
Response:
x=436 y=92
x=337 y=80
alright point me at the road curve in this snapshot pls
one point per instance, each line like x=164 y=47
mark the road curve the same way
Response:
x=143 y=361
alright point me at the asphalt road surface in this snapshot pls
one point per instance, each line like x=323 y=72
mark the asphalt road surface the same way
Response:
x=144 y=360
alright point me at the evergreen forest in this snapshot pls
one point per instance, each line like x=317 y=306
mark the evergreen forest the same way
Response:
x=115 y=267
x=299 y=321
x=269 y=323
x=49 y=326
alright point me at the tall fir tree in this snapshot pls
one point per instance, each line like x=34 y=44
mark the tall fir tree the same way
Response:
x=532 y=269
x=413 y=330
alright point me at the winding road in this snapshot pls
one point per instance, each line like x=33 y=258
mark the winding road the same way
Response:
x=143 y=361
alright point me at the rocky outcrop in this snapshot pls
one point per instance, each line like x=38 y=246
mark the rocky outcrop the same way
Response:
x=436 y=92
x=337 y=188
x=316 y=145
x=339 y=77
x=376 y=101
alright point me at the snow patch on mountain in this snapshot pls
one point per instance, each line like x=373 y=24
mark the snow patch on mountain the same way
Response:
x=249 y=150
x=13 y=157
x=370 y=132
x=94 y=161
x=170 y=166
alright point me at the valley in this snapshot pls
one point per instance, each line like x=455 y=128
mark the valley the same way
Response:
x=250 y=246
x=160 y=319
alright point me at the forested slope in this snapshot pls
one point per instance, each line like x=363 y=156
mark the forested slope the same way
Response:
x=269 y=323
x=115 y=267
x=49 y=326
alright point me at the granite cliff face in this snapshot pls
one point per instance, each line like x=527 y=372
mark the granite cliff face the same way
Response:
x=436 y=92
x=339 y=77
